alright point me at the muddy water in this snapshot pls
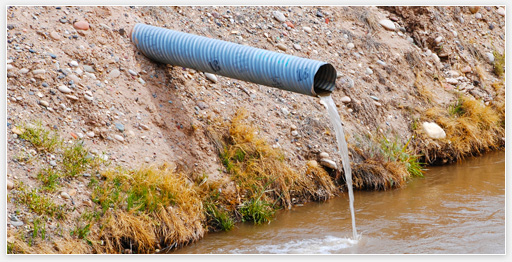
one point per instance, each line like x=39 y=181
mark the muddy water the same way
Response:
x=455 y=209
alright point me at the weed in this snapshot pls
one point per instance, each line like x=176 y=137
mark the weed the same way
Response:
x=39 y=228
x=499 y=63
x=456 y=109
x=218 y=218
x=50 y=179
x=394 y=151
x=40 y=138
x=76 y=159
x=256 y=210
x=40 y=204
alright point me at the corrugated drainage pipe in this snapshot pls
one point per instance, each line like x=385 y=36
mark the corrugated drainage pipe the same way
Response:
x=287 y=72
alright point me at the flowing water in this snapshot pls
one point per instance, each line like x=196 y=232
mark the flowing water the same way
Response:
x=454 y=209
x=343 y=150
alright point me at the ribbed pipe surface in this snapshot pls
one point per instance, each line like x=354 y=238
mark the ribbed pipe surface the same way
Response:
x=287 y=72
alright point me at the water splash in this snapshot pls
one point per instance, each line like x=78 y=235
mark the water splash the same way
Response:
x=325 y=245
x=343 y=150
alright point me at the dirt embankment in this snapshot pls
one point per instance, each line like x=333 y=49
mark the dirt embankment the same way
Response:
x=87 y=84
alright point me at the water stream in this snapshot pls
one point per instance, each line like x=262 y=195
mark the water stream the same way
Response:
x=335 y=119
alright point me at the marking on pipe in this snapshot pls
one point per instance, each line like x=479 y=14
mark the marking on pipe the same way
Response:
x=302 y=74
x=214 y=64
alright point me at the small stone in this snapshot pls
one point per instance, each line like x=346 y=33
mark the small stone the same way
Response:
x=72 y=192
x=312 y=164
x=380 y=62
x=88 y=97
x=10 y=185
x=147 y=159
x=87 y=203
x=452 y=81
x=38 y=71
x=433 y=130
x=293 y=127
x=90 y=134
x=44 y=103
x=89 y=69
x=114 y=73
x=501 y=11
x=297 y=47
x=279 y=16
x=119 y=138
x=350 y=45
x=202 y=105
x=387 y=24
x=133 y=73
x=377 y=104
x=466 y=69
x=319 y=14
x=65 y=195
x=18 y=223
x=295 y=133
x=17 y=130
x=346 y=99
x=453 y=73
x=307 y=29
x=323 y=155
x=72 y=97
x=145 y=127
x=328 y=163
x=23 y=71
x=281 y=46
x=55 y=35
x=490 y=57
x=474 y=9
x=64 y=89
x=478 y=16
x=120 y=127
x=73 y=63
x=374 y=98
x=211 y=77
x=53 y=163
x=285 y=111
x=81 y=25
x=438 y=39
x=369 y=71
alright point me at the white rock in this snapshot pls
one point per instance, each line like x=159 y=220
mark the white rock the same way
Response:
x=282 y=46
x=346 y=99
x=478 y=16
x=65 y=195
x=369 y=71
x=453 y=73
x=73 y=63
x=433 y=130
x=297 y=47
x=490 y=57
x=10 y=185
x=64 y=89
x=132 y=72
x=295 y=133
x=307 y=29
x=90 y=134
x=350 y=45
x=438 y=39
x=119 y=138
x=293 y=127
x=279 y=16
x=388 y=24
x=285 y=111
x=114 y=74
x=323 y=155
x=88 y=98
x=501 y=11
x=38 y=71
x=328 y=163
x=72 y=97
x=23 y=71
x=44 y=103
x=211 y=77
x=147 y=159
x=9 y=67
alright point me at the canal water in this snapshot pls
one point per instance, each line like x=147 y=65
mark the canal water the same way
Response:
x=454 y=209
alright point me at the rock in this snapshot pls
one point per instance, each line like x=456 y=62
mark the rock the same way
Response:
x=433 y=130
x=474 y=9
x=72 y=97
x=55 y=35
x=38 y=71
x=53 y=163
x=73 y=63
x=114 y=74
x=369 y=71
x=350 y=46
x=132 y=72
x=312 y=164
x=44 y=103
x=466 y=69
x=65 y=195
x=281 y=46
x=293 y=127
x=23 y=71
x=501 y=11
x=295 y=133
x=279 y=16
x=90 y=134
x=374 y=98
x=81 y=25
x=17 y=223
x=17 y=130
x=145 y=127
x=490 y=57
x=89 y=69
x=307 y=29
x=453 y=73
x=72 y=192
x=285 y=111
x=346 y=99
x=478 y=16
x=297 y=47
x=88 y=97
x=387 y=24
x=328 y=163
x=64 y=89
x=120 y=127
x=382 y=63
x=438 y=39
x=202 y=105
x=323 y=155
x=147 y=159
x=119 y=138
x=211 y=77
x=10 y=184
x=377 y=104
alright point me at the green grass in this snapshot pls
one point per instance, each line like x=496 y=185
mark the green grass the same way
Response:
x=40 y=138
x=394 y=151
x=457 y=109
x=257 y=211
x=49 y=177
x=76 y=159
x=40 y=204
x=499 y=63
x=217 y=217
x=39 y=228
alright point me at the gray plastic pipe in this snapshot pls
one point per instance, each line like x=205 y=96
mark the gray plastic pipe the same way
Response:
x=287 y=72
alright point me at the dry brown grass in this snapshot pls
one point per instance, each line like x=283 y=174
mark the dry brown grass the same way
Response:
x=424 y=90
x=373 y=174
x=471 y=129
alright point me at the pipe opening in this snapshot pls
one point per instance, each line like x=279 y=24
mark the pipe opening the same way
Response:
x=325 y=80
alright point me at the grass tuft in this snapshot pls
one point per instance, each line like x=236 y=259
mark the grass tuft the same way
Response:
x=40 y=138
x=499 y=63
